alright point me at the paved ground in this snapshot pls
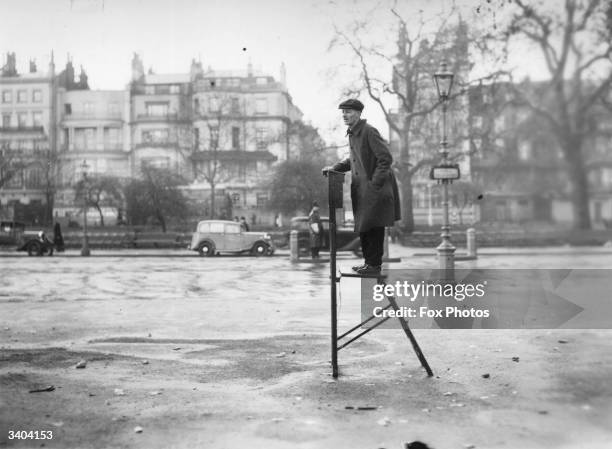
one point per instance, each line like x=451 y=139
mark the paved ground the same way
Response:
x=233 y=352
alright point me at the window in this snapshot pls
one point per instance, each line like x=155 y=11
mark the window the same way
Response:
x=261 y=135
x=262 y=80
x=262 y=199
x=214 y=136
x=235 y=137
x=261 y=106
x=6 y=120
x=111 y=138
x=155 y=136
x=196 y=105
x=33 y=178
x=157 y=109
x=157 y=162
x=162 y=89
x=214 y=105
x=175 y=89
x=235 y=105
x=37 y=96
x=90 y=138
x=22 y=119
x=232 y=228
x=84 y=138
x=88 y=109
x=37 y=118
x=216 y=228
x=204 y=227
x=22 y=96
x=149 y=90
x=67 y=108
x=196 y=139
x=7 y=96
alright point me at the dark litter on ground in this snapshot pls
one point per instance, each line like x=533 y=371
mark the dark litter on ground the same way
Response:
x=42 y=390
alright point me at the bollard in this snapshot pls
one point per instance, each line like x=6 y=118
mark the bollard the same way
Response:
x=471 y=242
x=293 y=246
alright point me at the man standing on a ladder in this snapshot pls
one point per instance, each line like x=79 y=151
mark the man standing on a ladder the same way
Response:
x=374 y=193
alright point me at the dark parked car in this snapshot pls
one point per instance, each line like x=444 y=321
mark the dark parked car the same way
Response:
x=36 y=244
x=346 y=238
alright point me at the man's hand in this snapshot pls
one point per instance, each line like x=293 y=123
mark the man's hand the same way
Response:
x=326 y=170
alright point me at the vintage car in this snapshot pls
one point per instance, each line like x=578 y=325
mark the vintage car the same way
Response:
x=346 y=238
x=35 y=243
x=220 y=236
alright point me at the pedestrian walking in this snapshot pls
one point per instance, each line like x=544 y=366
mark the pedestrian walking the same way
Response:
x=244 y=224
x=58 y=239
x=316 y=230
x=374 y=192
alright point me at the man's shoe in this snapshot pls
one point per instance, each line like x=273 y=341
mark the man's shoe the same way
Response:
x=369 y=269
x=358 y=267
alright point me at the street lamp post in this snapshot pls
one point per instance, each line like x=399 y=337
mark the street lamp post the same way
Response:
x=446 y=251
x=85 y=249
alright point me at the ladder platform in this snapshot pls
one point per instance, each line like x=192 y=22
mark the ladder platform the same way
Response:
x=352 y=274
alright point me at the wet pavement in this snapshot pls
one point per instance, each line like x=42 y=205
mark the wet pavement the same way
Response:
x=232 y=351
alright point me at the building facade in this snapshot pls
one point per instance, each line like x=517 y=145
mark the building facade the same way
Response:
x=220 y=131
x=27 y=140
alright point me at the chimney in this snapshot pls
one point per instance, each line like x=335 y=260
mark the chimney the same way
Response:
x=196 y=70
x=137 y=68
x=52 y=65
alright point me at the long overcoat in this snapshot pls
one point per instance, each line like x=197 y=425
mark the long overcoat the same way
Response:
x=374 y=192
x=315 y=229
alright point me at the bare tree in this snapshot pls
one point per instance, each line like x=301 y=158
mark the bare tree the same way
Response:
x=414 y=124
x=11 y=164
x=211 y=159
x=575 y=40
x=100 y=191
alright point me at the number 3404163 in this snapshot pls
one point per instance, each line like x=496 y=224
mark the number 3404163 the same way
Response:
x=30 y=434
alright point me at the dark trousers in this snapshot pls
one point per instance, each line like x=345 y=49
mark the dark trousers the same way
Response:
x=372 y=245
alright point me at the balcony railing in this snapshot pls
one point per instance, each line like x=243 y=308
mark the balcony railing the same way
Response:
x=158 y=144
x=22 y=129
x=169 y=117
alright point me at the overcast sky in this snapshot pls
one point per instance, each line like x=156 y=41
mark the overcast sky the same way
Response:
x=102 y=35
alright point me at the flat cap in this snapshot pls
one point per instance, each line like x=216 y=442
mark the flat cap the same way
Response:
x=352 y=104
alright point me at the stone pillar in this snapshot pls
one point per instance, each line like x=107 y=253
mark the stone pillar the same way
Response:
x=293 y=246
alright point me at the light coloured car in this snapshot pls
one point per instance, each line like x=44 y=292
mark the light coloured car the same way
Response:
x=222 y=236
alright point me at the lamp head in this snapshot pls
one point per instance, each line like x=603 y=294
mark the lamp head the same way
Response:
x=444 y=81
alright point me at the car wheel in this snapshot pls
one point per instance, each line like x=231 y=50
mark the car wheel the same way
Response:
x=259 y=249
x=34 y=249
x=206 y=249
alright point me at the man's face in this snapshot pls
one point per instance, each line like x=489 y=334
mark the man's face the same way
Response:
x=350 y=116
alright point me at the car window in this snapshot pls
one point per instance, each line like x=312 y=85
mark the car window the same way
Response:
x=216 y=228
x=232 y=228
x=204 y=227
